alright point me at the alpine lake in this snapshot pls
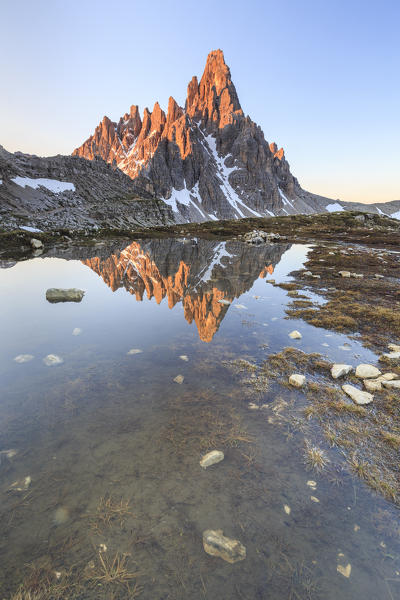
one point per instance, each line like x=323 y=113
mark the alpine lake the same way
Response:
x=109 y=404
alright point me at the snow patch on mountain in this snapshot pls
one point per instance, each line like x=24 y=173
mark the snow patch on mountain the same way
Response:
x=53 y=185
x=334 y=207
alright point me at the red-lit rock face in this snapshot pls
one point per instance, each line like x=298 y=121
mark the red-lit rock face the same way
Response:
x=209 y=149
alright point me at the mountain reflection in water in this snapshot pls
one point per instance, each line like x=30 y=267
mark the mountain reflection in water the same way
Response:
x=198 y=273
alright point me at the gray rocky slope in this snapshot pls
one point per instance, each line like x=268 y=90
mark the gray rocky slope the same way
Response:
x=206 y=161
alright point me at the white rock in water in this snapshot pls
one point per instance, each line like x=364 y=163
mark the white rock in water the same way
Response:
x=134 y=351
x=345 y=273
x=224 y=302
x=314 y=499
x=358 y=396
x=21 y=485
x=367 y=372
x=372 y=385
x=240 y=306
x=392 y=355
x=36 y=244
x=339 y=370
x=312 y=484
x=287 y=509
x=179 y=379
x=51 y=360
x=388 y=377
x=64 y=295
x=394 y=347
x=345 y=571
x=394 y=383
x=295 y=335
x=216 y=544
x=76 y=331
x=23 y=358
x=184 y=357
x=211 y=458
x=297 y=380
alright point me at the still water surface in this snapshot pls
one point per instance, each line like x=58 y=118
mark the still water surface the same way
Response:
x=111 y=443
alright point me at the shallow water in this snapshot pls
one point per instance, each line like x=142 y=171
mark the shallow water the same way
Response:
x=106 y=424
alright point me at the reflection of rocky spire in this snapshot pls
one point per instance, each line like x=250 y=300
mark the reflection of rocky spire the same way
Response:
x=198 y=274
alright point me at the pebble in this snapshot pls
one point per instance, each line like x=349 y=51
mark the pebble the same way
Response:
x=311 y=483
x=134 y=351
x=184 y=357
x=52 y=360
x=23 y=358
x=240 y=306
x=179 y=379
x=393 y=384
x=295 y=335
x=314 y=499
x=227 y=302
x=76 y=331
x=345 y=571
x=345 y=273
x=211 y=458
x=287 y=509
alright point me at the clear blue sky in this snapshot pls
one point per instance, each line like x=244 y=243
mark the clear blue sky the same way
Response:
x=322 y=78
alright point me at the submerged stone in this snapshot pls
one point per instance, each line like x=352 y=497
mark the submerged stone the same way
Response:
x=358 y=396
x=54 y=295
x=297 y=380
x=211 y=458
x=179 y=379
x=216 y=544
x=76 y=331
x=23 y=358
x=367 y=372
x=345 y=571
x=134 y=351
x=21 y=485
x=184 y=357
x=339 y=370
x=51 y=360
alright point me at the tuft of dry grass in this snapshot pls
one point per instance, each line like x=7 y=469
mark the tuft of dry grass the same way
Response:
x=110 y=512
x=314 y=457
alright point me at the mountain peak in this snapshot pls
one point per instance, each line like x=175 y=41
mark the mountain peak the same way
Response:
x=214 y=100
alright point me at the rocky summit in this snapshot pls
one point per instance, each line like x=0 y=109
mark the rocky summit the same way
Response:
x=206 y=160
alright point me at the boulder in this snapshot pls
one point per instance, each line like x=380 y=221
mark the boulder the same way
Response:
x=211 y=458
x=297 y=380
x=216 y=544
x=339 y=370
x=64 y=295
x=358 y=396
x=367 y=372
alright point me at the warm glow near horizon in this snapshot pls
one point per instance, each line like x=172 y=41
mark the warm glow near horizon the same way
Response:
x=332 y=105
